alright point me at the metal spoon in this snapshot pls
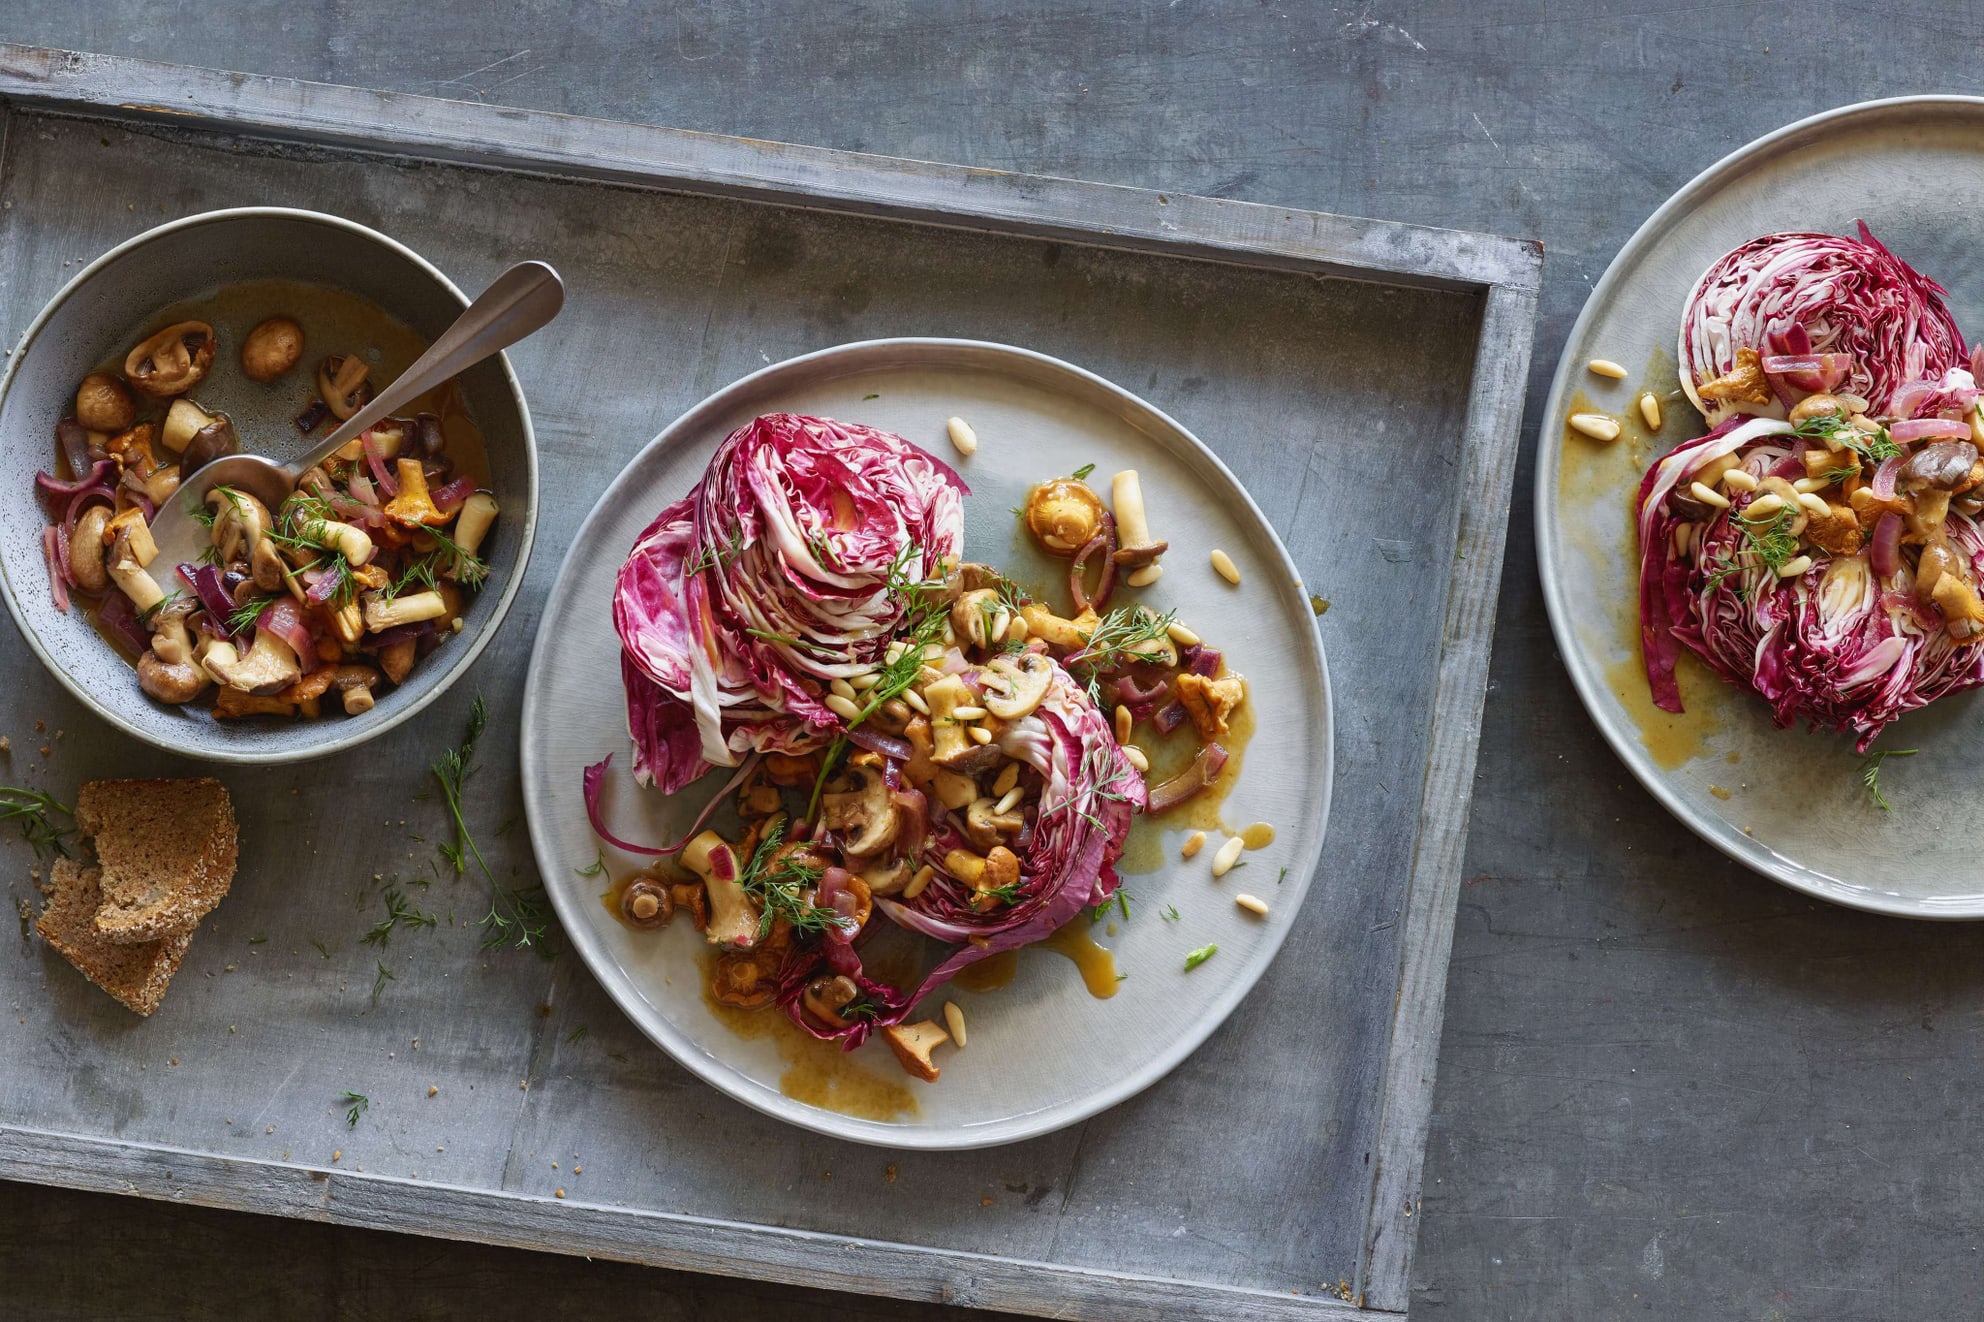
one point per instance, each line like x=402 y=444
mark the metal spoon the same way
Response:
x=519 y=301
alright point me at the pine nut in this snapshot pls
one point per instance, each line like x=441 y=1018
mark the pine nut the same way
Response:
x=865 y=681
x=962 y=436
x=1740 y=479
x=1000 y=623
x=1252 y=904
x=1182 y=636
x=1123 y=722
x=968 y=713
x=1764 y=506
x=954 y=1020
x=1606 y=367
x=979 y=734
x=1146 y=576
x=842 y=687
x=1136 y=757
x=1223 y=565
x=1708 y=495
x=1650 y=410
x=1814 y=504
x=1598 y=426
x=1228 y=855
x=1007 y=800
x=918 y=882
x=950 y=635
x=1795 y=566
x=915 y=699
x=841 y=707
x=1007 y=778
x=896 y=649
x=1807 y=485
x=1016 y=632
x=934 y=652
x=1193 y=844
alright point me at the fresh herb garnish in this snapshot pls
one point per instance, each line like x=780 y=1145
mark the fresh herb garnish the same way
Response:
x=597 y=868
x=31 y=808
x=1119 y=901
x=356 y=1104
x=467 y=569
x=150 y=613
x=1122 y=636
x=379 y=983
x=576 y=1033
x=1283 y=877
x=778 y=890
x=1870 y=772
x=515 y=916
x=1831 y=427
x=1170 y=913
x=1772 y=538
x=1199 y=956
x=784 y=640
x=1084 y=471
x=399 y=913
x=247 y=613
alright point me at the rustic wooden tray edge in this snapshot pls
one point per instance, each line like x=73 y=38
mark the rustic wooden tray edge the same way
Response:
x=1505 y=273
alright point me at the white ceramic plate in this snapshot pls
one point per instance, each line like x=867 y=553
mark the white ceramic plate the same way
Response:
x=1043 y=1053
x=1787 y=803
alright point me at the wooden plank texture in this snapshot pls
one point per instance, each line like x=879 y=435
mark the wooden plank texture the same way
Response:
x=713 y=288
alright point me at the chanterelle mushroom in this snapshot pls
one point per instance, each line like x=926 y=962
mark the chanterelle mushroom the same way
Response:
x=269 y=666
x=864 y=816
x=913 y=1045
x=1209 y=702
x=172 y=361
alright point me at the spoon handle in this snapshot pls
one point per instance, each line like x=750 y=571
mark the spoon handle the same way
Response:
x=521 y=300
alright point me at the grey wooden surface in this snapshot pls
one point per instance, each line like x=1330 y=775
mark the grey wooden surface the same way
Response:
x=1667 y=1088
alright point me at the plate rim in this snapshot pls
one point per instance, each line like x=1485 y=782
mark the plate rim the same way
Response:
x=726 y=1078
x=1751 y=854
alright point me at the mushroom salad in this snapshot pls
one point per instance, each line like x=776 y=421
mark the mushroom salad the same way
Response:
x=331 y=598
x=909 y=736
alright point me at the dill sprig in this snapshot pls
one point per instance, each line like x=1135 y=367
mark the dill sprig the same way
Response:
x=1199 y=956
x=31 y=808
x=1772 y=538
x=151 y=612
x=1123 y=635
x=399 y=913
x=467 y=569
x=1831 y=427
x=779 y=890
x=247 y=613
x=515 y=917
x=355 y=1104
x=1870 y=772
x=379 y=982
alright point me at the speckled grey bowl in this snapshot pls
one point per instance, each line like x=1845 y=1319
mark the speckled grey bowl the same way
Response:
x=100 y=313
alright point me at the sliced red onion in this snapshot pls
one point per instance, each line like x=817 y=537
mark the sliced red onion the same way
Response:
x=451 y=497
x=205 y=583
x=361 y=489
x=399 y=633
x=1169 y=717
x=1105 y=542
x=144 y=503
x=58 y=568
x=119 y=617
x=324 y=586
x=308 y=420
x=55 y=486
x=888 y=745
x=1923 y=429
x=1885 y=552
x=81 y=500
x=377 y=463
x=1884 y=476
x=1203 y=771
x=284 y=618
x=1205 y=662
x=1907 y=399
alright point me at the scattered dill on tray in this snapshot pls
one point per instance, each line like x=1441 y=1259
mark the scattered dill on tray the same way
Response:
x=1870 y=772
x=516 y=917
x=399 y=913
x=31 y=808
x=355 y=1104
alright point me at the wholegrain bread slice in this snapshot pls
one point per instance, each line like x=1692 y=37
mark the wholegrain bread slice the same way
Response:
x=166 y=850
x=135 y=973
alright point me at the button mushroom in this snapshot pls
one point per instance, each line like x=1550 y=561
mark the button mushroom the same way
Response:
x=271 y=349
x=103 y=404
x=888 y=878
x=646 y=904
x=733 y=917
x=268 y=667
x=1015 y=685
x=1063 y=514
x=1943 y=465
x=209 y=443
x=913 y=1045
x=978 y=614
x=182 y=421
x=170 y=682
x=862 y=813
x=746 y=979
x=86 y=549
x=173 y=361
x=131 y=524
x=825 y=997
x=341 y=382
x=396 y=660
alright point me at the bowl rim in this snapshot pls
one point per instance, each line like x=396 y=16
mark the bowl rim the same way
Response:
x=343 y=738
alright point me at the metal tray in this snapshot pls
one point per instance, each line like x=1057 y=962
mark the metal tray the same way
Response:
x=1363 y=379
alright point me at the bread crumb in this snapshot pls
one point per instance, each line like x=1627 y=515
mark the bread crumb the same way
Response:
x=578 y=1170
x=431 y=1090
x=558 y=1192
x=985 y=1202
x=524 y=1084
x=338 y=1154
x=889 y=1173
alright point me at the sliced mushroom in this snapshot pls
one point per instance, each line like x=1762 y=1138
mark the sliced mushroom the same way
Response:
x=271 y=349
x=269 y=666
x=209 y=443
x=863 y=815
x=888 y=878
x=1943 y=465
x=171 y=640
x=182 y=421
x=733 y=916
x=267 y=566
x=86 y=549
x=341 y=382
x=1015 y=685
x=104 y=404
x=825 y=997
x=986 y=827
x=173 y=361
x=241 y=523
x=974 y=616
x=950 y=788
x=127 y=571
x=944 y=696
